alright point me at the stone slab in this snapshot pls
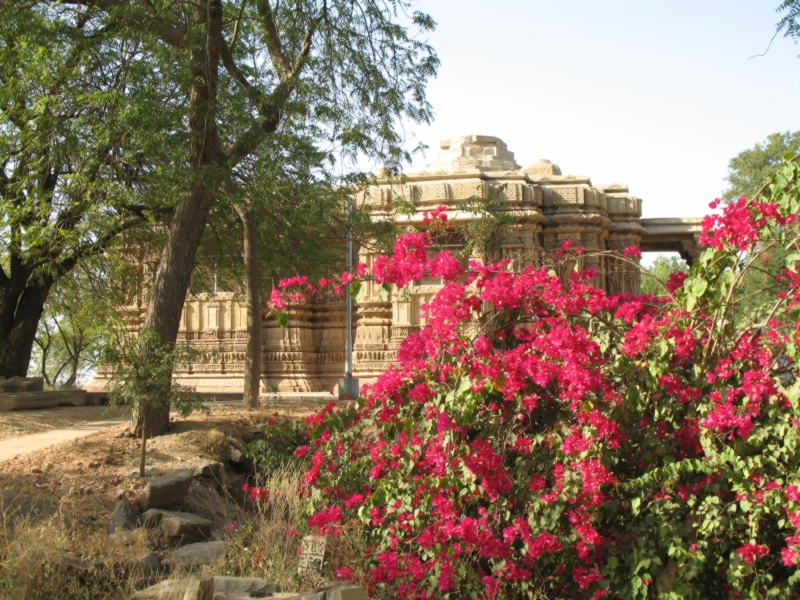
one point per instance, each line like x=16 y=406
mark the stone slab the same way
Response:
x=167 y=491
x=33 y=400
x=180 y=527
x=21 y=384
x=123 y=518
x=16 y=510
x=203 y=553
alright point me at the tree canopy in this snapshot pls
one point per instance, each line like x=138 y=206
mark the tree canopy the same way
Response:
x=80 y=119
x=749 y=169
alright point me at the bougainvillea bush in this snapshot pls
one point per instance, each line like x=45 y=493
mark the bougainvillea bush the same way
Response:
x=540 y=438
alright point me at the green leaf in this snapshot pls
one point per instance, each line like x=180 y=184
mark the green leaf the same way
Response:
x=283 y=320
x=385 y=292
x=698 y=287
x=356 y=289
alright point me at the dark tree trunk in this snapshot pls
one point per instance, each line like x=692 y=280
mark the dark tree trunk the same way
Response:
x=252 y=360
x=21 y=307
x=174 y=271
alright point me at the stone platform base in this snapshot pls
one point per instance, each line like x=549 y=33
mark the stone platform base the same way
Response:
x=28 y=400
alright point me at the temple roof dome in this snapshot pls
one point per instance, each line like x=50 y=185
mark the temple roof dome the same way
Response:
x=467 y=152
x=542 y=167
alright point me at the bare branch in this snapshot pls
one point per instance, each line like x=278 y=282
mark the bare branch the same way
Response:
x=273 y=40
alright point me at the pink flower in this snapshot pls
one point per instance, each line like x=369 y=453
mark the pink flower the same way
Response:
x=276 y=300
x=750 y=552
x=633 y=251
x=345 y=573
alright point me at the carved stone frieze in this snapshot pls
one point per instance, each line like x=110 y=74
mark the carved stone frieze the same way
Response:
x=549 y=208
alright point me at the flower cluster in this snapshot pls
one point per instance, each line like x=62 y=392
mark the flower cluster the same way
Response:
x=542 y=438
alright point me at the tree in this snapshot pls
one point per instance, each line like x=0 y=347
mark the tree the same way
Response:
x=749 y=169
x=351 y=69
x=747 y=173
x=655 y=277
x=72 y=157
x=790 y=21
x=292 y=206
x=70 y=335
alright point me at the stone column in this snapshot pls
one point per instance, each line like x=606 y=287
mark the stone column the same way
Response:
x=576 y=213
x=289 y=359
x=624 y=211
x=328 y=326
x=372 y=347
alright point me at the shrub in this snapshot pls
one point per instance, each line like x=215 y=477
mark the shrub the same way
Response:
x=540 y=438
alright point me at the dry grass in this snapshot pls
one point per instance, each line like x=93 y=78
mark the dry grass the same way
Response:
x=260 y=545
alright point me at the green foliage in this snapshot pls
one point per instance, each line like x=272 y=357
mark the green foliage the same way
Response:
x=81 y=119
x=655 y=277
x=282 y=437
x=139 y=377
x=747 y=173
x=790 y=19
x=749 y=169
x=491 y=216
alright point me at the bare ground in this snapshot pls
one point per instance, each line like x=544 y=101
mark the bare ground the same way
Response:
x=89 y=475
x=16 y=423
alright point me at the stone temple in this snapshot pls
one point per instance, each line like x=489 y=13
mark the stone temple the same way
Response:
x=550 y=208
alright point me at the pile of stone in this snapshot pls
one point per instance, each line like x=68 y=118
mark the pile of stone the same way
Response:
x=168 y=507
x=20 y=393
x=243 y=588
x=161 y=507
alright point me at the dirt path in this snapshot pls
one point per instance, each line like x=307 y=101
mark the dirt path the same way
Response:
x=18 y=423
x=15 y=446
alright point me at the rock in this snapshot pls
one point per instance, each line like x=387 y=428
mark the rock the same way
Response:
x=16 y=509
x=350 y=592
x=254 y=587
x=167 y=491
x=206 y=501
x=169 y=588
x=29 y=551
x=16 y=385
x=123 y=518
x=148 y=472
x=146 y=563
x=340 y=590
x=180 y=527
x=240 y=459
x=204 y=553
x=199 y=589
x=75 y=562
x=214 y=471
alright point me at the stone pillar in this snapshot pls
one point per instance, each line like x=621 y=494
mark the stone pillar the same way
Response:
x=372 y=346
x=576 y=213
x=328 y=326
x=289 y=359
x=624 y=211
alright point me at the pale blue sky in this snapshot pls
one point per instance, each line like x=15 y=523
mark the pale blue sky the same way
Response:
x=658 y=95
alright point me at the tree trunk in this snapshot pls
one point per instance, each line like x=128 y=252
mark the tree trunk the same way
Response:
x=20 y=314
x=175 y=268
x=252 y=360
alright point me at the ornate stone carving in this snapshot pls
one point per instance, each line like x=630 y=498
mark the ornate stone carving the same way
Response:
x=550 y=208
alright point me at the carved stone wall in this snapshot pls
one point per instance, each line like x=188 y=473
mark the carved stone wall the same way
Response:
x=550 y=209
